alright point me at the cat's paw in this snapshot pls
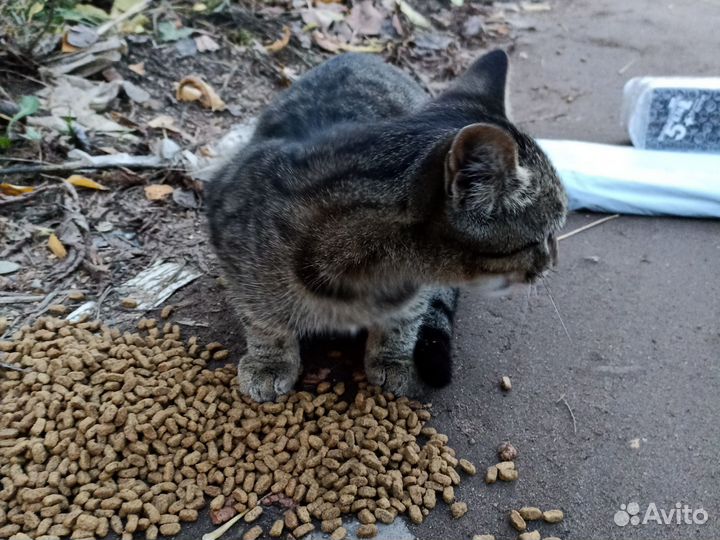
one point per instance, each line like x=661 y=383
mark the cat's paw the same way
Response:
x=399 y=378
x=266 y=383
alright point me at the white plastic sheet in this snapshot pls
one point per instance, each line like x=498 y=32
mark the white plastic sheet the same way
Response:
x=627 y=180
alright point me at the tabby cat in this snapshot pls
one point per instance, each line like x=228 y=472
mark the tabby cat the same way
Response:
x=360 y=202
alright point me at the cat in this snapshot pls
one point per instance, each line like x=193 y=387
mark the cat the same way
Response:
x=361 y=202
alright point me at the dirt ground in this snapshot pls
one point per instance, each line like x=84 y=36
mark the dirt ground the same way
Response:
x=623 y=410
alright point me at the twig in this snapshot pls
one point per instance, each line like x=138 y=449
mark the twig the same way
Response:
x=75 y=218
x=100 y=300
x=572 y=414
x=217 y=533
x=586 y=227
x=27 y=196
x=81 y=166
x=186 y=322
x=100 y=30
x=50 y=14
x=14 y=368
x=626 y=66
x=20 y=299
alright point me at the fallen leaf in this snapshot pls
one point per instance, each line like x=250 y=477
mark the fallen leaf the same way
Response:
x=205 y=43
x=170 y=32
x=29 y=105
x=57 y=247
x=11 y=189
x=185 y=198
x=85 y=13
x=121 y=6
x=432 y=40
x=186 y=47
x=80 y=37
x=167 y=122
x=138 y=68
x=279 y=44
x=472 y=26
x=158 y=192
x=325 y=42
x=365 y=19
x=8 y=267
x=163 y=121
x=535 y=6
x=67 y=48
x=222 y=515
x=323 y=17
x=84 y=182
x=104 y=226
x=189 y=93
x=193 y=88
x=413 y=16
x=36 y=8
x=135 y=93
x=366 y=48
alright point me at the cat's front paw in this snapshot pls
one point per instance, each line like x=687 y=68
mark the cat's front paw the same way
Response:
x=267 y=382
x=397 y=377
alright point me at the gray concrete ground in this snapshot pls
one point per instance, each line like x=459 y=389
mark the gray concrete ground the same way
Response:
x=639 y=298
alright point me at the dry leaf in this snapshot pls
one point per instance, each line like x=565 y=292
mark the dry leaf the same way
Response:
x=205 y=43
x=11 y=189
x=158 y=192
x=82 y=181
x=66 y=47
x=365 y=19
x=138 y=68
x=163 y=121
x=413 y=16
x=57 y=247
x=222 y=515
x=279 y=44
x=325 y=42
x=188 y=91
x=323 y=17
x=366 y=48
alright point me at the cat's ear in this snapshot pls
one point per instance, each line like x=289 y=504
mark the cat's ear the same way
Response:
x=482 y=159
x=491 y=70
x=488 y=75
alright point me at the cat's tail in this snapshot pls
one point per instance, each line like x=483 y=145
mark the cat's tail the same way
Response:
x=433 y=349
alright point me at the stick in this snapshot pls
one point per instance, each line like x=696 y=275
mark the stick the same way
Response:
x=14 y=368
x=586 y=227
x=19 y=299
x=100 y=30
x=102 y=298
x=217 y=533
x=80 y=166
x=22 y=198
x=572 y=414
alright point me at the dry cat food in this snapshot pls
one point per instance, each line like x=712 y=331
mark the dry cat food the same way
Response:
x=133 y=433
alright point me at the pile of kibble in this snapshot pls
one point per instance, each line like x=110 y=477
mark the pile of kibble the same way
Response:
x=134 y=433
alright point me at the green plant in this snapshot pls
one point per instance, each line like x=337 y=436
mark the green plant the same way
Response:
x=28 y=105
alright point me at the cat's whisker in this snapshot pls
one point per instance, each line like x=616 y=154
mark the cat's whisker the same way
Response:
x=562 y=322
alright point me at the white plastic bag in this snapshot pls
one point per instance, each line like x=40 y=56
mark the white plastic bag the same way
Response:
x=627 y=180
